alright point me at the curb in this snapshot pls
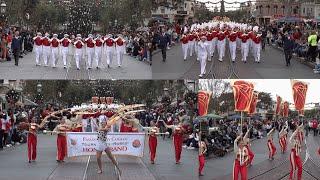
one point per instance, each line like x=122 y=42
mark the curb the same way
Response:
x=300 y=59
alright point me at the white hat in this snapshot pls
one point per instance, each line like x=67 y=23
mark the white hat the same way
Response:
x=39 y=33
x=66 y=35
x=78 y=35
x=55 y=35
x=46 y=34
x=90 y=35
x=256 y=28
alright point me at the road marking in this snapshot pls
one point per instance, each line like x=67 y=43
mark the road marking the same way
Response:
x=86 y=169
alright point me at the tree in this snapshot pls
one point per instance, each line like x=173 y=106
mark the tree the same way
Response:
x=80 y=16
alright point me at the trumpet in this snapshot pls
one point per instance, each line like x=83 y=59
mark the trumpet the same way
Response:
x=166 y=133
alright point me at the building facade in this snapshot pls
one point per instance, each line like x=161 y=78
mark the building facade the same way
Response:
x=181 y=11
x=267 y=11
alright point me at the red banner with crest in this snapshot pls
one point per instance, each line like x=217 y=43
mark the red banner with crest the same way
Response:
x=278 y=105
x=203 y=102
x=299 y=90
x=243 y=93
x=253 y=104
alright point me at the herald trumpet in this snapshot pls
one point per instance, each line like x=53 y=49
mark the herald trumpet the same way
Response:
x=166 y=133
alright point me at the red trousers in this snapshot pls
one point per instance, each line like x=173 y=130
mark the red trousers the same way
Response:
x=32 y=146
x=177 y=141
x=61 y=147
x=201 y=163
x=239 y=169
x=251 y=155
x=282 y=144
x=153 y=147
x=296 y=165
x=272 y=149
x=319 y=151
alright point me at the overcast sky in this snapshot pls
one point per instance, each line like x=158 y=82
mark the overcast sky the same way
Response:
x=282 y=87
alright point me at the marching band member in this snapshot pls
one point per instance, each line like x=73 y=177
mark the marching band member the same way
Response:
x=153 y=142
x=185 y=44
x=78 y=54
x=202 y=152
x=250 y=34
x=46 y=51
x=233 y=44
x=54 y=50
x=203 y=53
x=256 y=44
x=98 y=49
x=244 y=46
x=120 y=49
x=247 y=144
x=221 y=42
x=178 y=132
x=65 y=42
x=103 y=129
x=210 y=44
x=283 y=139
x=90 y=50
x=241 y=159
x=109 y=48
x=61 y=130
x=271 y=146
x=192 y=40
x=215 y=39
x=295 y=159
x=38 y=47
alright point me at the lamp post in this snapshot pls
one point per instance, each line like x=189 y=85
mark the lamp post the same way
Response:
x=3 y=10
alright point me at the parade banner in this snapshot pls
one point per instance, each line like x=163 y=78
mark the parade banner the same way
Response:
x=243 y=92
x=285 y=109
x=203 y=102
x=253 y=104
x=299 y=89
x=278 y=105
x=84 y=143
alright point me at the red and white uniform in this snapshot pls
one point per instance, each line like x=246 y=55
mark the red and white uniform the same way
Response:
x=153 y=142
x=240 y=164
x=61 y=143
x=233 y=45
x=295 y=162
x=32 y=142
x=185 y=44
x=37 y=48
x=214 y=34
x=65 y=44
x=110 y=49
x=120 y=49
x=46 y=49
x=98 y=50
x=192 y=40
x=210 y=44
x=256 y=45
x=54 y=51
x=90 y=51
x=78 y=53
x=272 y=149
x=244 y=46
x=250 y=34
x=177 y=141
x=221 y=45
x=203 y=54
x=239 y=33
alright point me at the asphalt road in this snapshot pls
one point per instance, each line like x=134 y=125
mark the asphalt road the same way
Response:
x=131 y=69
x=272 y=66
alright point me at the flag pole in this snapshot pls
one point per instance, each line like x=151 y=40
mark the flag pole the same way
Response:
x=241 y=121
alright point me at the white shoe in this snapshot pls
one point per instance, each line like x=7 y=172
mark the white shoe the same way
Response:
x=184 y=146
x=190 y=147
x=201 y=75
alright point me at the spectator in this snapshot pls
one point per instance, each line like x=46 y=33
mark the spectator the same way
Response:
x=313 y=44
x=16 y=46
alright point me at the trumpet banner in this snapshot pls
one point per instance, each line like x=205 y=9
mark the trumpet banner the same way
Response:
x=278 y=105
x=285 y=109
x=243 y=93
x=203 y=102
x=299 y=90
x=253 y=103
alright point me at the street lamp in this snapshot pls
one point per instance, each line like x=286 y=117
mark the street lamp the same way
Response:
x=39 y=87
x=3 y=8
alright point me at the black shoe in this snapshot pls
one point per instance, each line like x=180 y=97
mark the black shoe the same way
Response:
x=29 y=161
x=201 y=174
x=58 y=161
x=97 y=67
x=108 y=66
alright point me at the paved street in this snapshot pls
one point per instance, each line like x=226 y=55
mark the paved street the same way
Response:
x=272 y=66
x=131 y=69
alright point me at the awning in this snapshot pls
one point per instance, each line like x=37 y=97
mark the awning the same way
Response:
x=290 y=19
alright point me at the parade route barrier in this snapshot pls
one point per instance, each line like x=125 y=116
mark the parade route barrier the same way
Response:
x=84 y=143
